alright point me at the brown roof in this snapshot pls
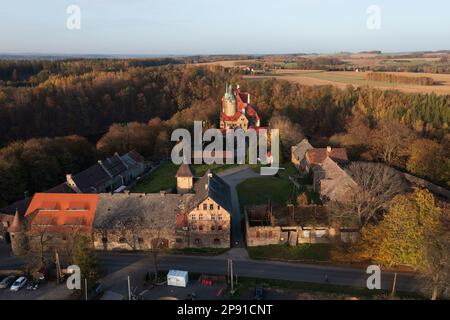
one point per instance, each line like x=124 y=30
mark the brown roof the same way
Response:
x=318 y=155
x=184 y=172
x=16 y=225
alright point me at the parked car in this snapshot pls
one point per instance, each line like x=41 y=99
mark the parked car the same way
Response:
x=96 y=292
x=259 y=293
x=19 y=284
x=34 y=285
x=6 y=282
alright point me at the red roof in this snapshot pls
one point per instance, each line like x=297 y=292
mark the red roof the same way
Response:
x=318 y=155
x=59 y=210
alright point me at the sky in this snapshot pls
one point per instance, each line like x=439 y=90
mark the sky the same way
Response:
x=188 y=27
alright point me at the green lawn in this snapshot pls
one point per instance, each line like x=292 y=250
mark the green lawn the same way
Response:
x=324 y=291
x=301 y=252
x=163 y=178
x=279 y=189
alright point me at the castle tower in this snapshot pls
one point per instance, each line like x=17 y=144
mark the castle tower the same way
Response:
x=19 y=243
x=185 y=179
x=229 y=103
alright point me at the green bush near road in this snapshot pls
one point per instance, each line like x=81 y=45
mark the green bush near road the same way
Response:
x=301 y=252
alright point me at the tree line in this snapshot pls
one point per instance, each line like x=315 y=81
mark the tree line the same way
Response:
x=396 y=78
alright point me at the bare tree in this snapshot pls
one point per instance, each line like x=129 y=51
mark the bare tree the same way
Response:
x=390 y=142
x=129 y=228
x=290 y=133
x=376 y=186
x=39 y=235
x=435 y=264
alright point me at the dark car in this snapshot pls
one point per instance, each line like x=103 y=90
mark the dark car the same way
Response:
x=259 y=293
x=96 y=292
x=6 y=282
x=34 y=285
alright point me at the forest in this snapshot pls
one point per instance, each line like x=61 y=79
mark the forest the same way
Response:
x=60 y=116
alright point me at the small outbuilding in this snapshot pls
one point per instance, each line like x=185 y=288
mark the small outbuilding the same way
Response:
x=177 y=278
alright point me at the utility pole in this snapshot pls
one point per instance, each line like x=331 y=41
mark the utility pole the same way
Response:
x=85 y=289
x=231 y=277
x=129 y=288
x=394 y=284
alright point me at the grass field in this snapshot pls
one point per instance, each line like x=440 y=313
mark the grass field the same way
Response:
x=259 y=190
x=318 y=291
x=163 y=178
x=342 y=79
x=301 y=252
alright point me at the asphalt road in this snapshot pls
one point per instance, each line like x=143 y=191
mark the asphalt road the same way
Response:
x=233 y=178
x=120 y=265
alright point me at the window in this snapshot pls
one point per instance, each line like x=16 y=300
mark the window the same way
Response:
x=197 y=241
x=205 y=206
x=49 y=238
x=141 y=240
x=219 y=217
x=104 y=239
x=200 y=216
x=270 y=234
x=122 y=240
x=200 y=228
x=192 y=216
x=218 y=207
x=258 y=234
x=213 y=228
x=179 y=240
x=219 y=228
x=211 y=207
x=198 y=207
x=216 y=242
x=213 y=216
x=64 y=238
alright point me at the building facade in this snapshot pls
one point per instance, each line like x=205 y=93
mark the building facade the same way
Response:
x=237 y=110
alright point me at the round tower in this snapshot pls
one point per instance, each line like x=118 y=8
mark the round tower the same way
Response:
x=229 y=102
x=19 y=245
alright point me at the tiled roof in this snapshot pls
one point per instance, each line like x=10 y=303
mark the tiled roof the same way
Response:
x=114 y=165
x=184 y=171
x=148 y=210
x=213 y=186
x=318 y=155
x=59 y=210
x=90 y=179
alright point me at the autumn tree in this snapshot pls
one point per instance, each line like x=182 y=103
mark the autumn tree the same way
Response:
x=390 y=142
x=84 y=257
x=376 y=186
x=428 y=159
x=434 y=263
x=402 y=236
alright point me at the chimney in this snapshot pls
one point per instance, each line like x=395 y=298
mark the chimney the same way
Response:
x=292 y=212
x=328 y=150
x=248 y=98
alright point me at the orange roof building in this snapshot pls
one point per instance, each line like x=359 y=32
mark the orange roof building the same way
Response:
x=57 y=211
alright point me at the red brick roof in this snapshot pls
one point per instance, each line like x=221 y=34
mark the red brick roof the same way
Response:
x=59 y=210
x=318 y=155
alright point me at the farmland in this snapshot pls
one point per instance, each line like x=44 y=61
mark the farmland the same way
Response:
x=342 y=79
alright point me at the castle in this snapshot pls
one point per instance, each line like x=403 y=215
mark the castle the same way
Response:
x=237 y=111
x=197 y=216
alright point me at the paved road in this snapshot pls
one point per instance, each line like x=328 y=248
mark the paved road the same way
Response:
x=233 y=177
x=121 y=265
